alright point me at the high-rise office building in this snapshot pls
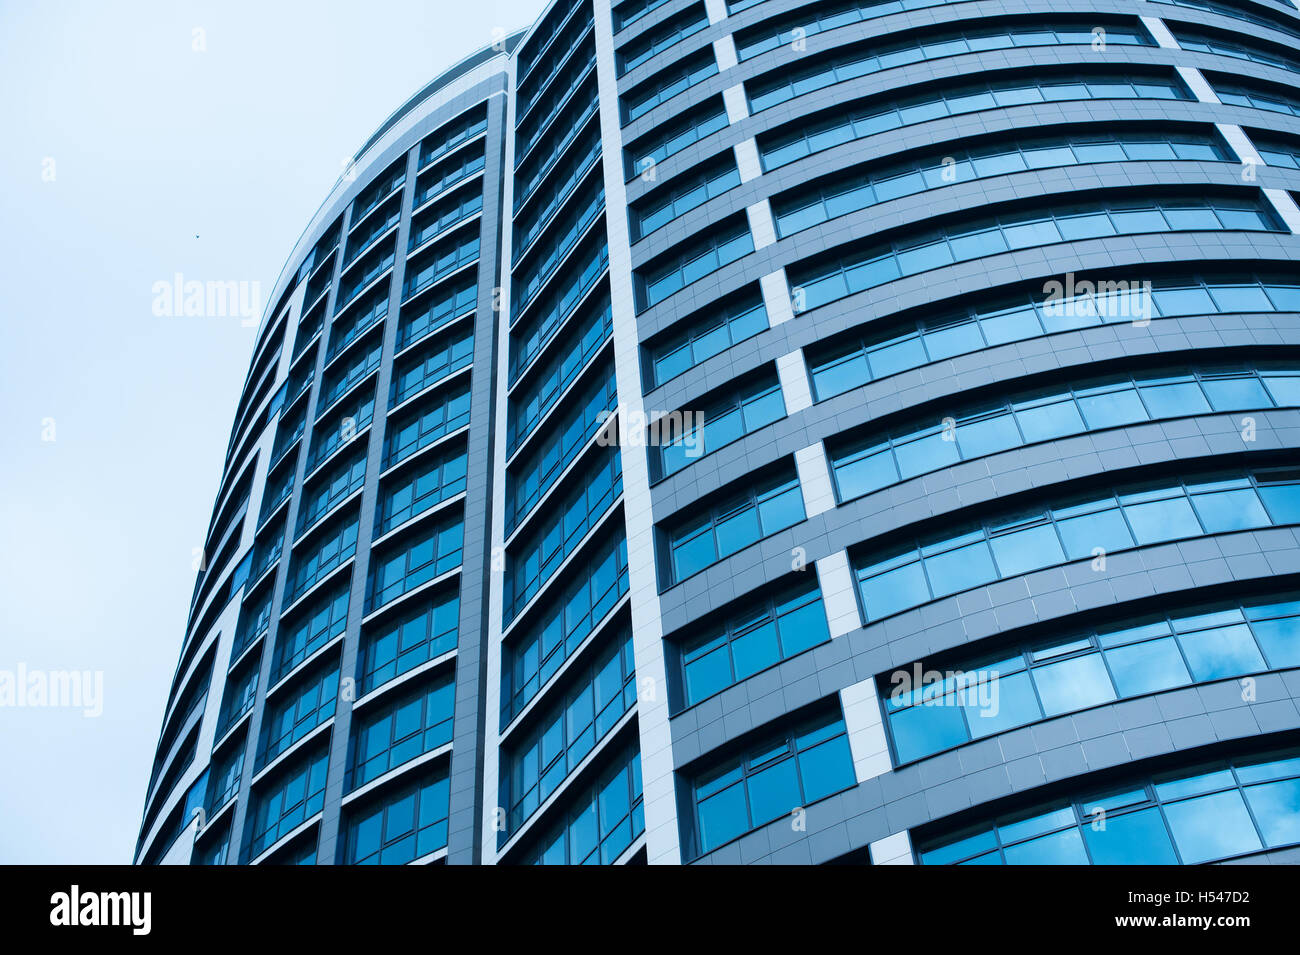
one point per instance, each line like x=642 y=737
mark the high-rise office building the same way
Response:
x=775 y=431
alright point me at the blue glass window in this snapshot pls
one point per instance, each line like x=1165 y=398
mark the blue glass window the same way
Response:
x=570 y=730
x=297 y=712
x=773 y=777
x=721 y=245
x=530 y=403
x=733 y=523
x=402 y=826
x=442 y=176
x=979 y=696
x=681 y=195
x=531 y=563
x=601 y=823
x=435 y=417
x=857 y=121
x=339 y=429
x=428 y=314
x=416 y=490
x=663 y=37
x=441 y=259
x=704 y=335
x=845 y=63
x=548 y=311
x=1189 y=816
x=723 y=418
x=876 y=461
x=851 y=190
x=327 y=550
x=667 y=83
x=434 y=361
x=866 y=266
x=443 y=214
x=359 y=317
x=296 y=795
x=760 y=632
x=895 y=579
x=428 y=554
x=558 y=628
x=324 y=620
x=416 y=638
x=416 y=724
x=644 y=154
x=453 y=134
x=328 y=491
x=557 y=446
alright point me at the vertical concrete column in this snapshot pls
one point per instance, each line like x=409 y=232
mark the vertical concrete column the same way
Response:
x=892 y=850
x=776 y=297
x=814 y=480
x=866 y=727
x=493 y=814
x=332 y=836
x=761 y=224
x=795 y=390
x=733 y=97
x=660 y=798
x=838 y=594
x=465 y=834
x=1160 y=33
x=747 y=162
x=1251 y=160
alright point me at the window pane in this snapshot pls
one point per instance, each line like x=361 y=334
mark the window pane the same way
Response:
x=1073 y=684
x=866 y=474
x=1061 y=848
x=1158 y=521
x=773 y=791
x=803 y=628
x=1230 y=510
x=1050 y=420
x=1235 y=394
x=1280 y=640
x=1147 y=667
x=693 y=555
x=722 y=817
x=826 y=768
x=927 y=728
x=999 y=704
x=755 y=650
x=960 y=569
x=1283 y=502
x=1027 y=550
x=1136 y=838
x=1112 y=409
x=1223 y=652
x=1277 y=810
x=987 y=436
x=782 y=511
x=1212 y=827
x=894 y=590
x=925 y=454
x=1174 y=398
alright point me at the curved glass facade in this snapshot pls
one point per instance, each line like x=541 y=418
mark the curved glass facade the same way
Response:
x=774 y=431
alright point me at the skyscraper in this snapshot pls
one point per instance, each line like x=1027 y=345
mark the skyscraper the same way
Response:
x=772 y=431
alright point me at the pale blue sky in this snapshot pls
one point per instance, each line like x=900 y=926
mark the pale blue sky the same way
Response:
x=165 y=160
